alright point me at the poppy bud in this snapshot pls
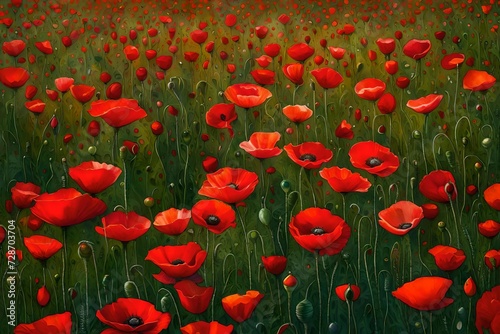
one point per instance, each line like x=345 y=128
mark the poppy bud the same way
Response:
x=106 y=281
x=210 y=164
x=157 y=128
x=186 y=136
x=149 y=201
x=285 y=186
x=486 y=142
x=304 y=311
x=92 y=150
x=470 y=287
x=348 y=294
x=94 y=128
x=172 y=110
x=72 y=293
x=141 y=73
x=289 y=283
x=114 y=91
x=84 y=250
x=441 y=225
x=265 y=216
x=130 y=289
x=54 y=123
x=449 y=188
x=43 y=296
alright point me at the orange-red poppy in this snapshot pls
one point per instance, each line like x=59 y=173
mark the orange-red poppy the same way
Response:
x=327 y=77
x=30 y=92
x=191 y=56
x=132 y=315
x=447 y=258
x=262 y=145
x=230 y=185
x=373 y=158
x=300 y=51
x=23 y=194
x=370 y=89
x=431 y=210
x=475 y=80
x=489 y=228
x=452 y=61
x=342 y=180
x=386 y=45
x=264 y=60
x=342 y=290
x=13 y=77
x=63 y=84
x=221 y=116
x=41 y=247
x=318 y=230
x=297 y=113
x=309 y=155
x=82 y=93
x=204 y=327
x=13 y=48
x=67 y=207
x=402 y=82
x=336 y=52
x=425 y=293
x=247 y=95
x=117 y=113
x=51 y=324
x=194 y=298
x=344 y=130
x=492 y=258
x=176 y=262
x=294 y=73
x=94 y=177
x=131 y=52
x=417 y=48
x=274 y=264
x=391 y=67
x=43 y=296
x=240 y=307
x=44 y=47
x=199 y=36
x=263 y=77
x=123 y=226
x=36 y=106
x=425 y=104
x=401 y=217
x=386 y=104
x=164 y=62
x=272 y=50
x=488 y=311
x=438 y=186
x=172 y=221
x=492 y=196
x=214 y=215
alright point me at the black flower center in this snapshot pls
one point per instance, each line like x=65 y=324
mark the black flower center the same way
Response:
x=373 y=162
x=232 y=185
x=223 y=117
x=177 y=262
x=134 y=321
x=317 y=231
x=308 y=156
x=212 y=220
x=405 y=226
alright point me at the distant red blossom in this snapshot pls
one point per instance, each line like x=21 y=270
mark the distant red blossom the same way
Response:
x=23 y=194
x=492 y=196
x=230 y=185
x=294 y=73
x=13 y=77
x=425 y=104
x=300 y=51
x=417 y=48
x=117 y=113
x=327 y=77
x=172 y=221
x=342 y=180
x=247 y=95
x=274 y=264
x=309 y=155
x=488 y=311
x=373 y=158
x=401 y=217
x=438 y=186
x=297 y=113
x=13 y=48
x=123 y=226
x=370 y=89
x=82 y=93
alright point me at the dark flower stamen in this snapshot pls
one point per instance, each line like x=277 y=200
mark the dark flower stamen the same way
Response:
x=232 y=185
x=177 y=262
x=212 y=220
x=373 y=162
x=134 y=321
x=405 y=226
x=223 y=117
x=308 y=156
x=317 y=231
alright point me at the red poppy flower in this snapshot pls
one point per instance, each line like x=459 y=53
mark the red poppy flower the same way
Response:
x=488 y=311
x=30 y=92
x=172 y=221
x=317 y=229
x=114 y=91
x=373 y=158
x=263 y=77
x=431 y=210
x=264 y=61
x=67 y=207
x=426 y=104
x=489 y=228
x=438 y=186
x=452 y=61
x=123 y=226
x=117 y=113
x=272 y=50
x=492 y=258
x=176 y=262
x=342 y=289
x=35 y=106
x=492 y=196
x=401 y=217
x=23 y=194
x=42 y=247
x=94 y=177
x=386 y=45
x=447 y=258
x=221 y=116
x=164 y=62
x=202 y=327
x=425 y=293
x=294 y=73
x=210 y=164
x=131 y=315
x=478 y=80
x=297 y=113
x=417 y=48
x=337 y=53
x=274 y=264
x=470 y=287
x=262 y=145
x=344 y=130
x=13 y=77
x=247 y=95
x=230 y=185
x=402 y=82
x=82 y=93
x=43 y=296
x=63 y=84
x=241 y=307
x=387 y=103
x=327 y=77
x=300 y=51
x=51 y=324
x=131 y=52
x=391 y=67
x=370 y=89
x=191 y=56
x=342 y=180
x=261 y=31
x=44 y=47
x=214 y=215
x=13 y=48
x=308 y=155
x=199 y=36
x=194 y=298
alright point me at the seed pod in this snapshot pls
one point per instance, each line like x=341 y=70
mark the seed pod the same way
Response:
x=130 y=289
x=265 y=216
x=304 y=311
x=486 y=142
x=285 y=186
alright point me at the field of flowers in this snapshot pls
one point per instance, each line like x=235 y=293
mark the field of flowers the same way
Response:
x=250 y=166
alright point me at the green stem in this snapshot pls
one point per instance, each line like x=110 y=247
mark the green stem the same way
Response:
x=316 y=254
